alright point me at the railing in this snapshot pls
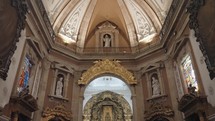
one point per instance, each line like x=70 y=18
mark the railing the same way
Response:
x=110 y=50
x=107 y=50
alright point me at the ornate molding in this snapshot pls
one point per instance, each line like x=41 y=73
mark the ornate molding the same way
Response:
x=107 y=66
x=58 y=110
x=5 y=60
x=165 y=29
x=158 y=110
x=107 y=24
x=191 y=101
x=193 y=9
x=46 y=19
x=185 y=101
x=143 y=25
x=24 y=103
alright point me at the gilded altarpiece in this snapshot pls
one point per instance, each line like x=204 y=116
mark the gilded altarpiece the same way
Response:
x=107 y=106
x=58 y=112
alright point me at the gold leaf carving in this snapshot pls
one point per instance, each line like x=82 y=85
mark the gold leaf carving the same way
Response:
x=58 y=110
x=107 y=66
x=96 y=104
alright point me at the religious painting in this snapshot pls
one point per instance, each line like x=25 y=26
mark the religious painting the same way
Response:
x=25 y=74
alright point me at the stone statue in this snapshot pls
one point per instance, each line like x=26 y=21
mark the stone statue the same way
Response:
x=107 y=117
x=107 y=40
x=155 y=87
x=59 y=87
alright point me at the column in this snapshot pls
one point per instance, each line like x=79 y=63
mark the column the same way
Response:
x=81 y=99
x=134 y=102
x=54 y=84
x=138 y=101
x=66 y=81
x=76 y=100
x=160 y=77
x=149 y=85
x=42 y=88
x=173 y=89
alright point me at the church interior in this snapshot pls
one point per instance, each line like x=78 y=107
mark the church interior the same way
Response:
x=107 y=60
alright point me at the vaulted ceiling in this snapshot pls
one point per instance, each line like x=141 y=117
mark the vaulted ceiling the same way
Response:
x=75 y=21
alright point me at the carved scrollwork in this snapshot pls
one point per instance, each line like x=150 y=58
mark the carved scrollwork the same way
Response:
x=185 y=101
x=58 y=110
x=191 y=103
x=193 y=9
x=157 y=109
x=107 y=66
x=24 y=103
x=17 y=9
x=203 y=33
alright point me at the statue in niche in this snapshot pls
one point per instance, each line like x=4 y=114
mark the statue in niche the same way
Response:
x=107 y=117
x=59 y=86
x=107 y=40
x=155 y=85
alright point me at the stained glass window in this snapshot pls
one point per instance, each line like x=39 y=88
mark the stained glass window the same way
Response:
x=188 y=72
x=25 y=74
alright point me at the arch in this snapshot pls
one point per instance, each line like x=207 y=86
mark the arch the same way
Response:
x=107 y=66
x=93 y=109
x=160 y=119
x=57 y=111
x=158 y=111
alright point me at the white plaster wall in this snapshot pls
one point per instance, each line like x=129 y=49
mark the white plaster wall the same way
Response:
x=7 y=85
x=208 y=84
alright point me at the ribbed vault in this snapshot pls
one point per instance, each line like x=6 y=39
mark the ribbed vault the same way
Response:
x=75 y=20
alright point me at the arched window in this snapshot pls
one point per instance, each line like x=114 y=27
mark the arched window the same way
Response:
x=188 y=72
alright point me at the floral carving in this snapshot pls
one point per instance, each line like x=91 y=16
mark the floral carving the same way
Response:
x=58 y=110
x=107 y=66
